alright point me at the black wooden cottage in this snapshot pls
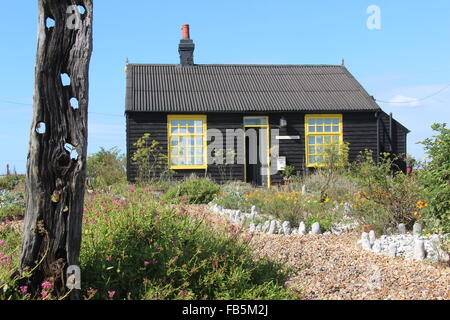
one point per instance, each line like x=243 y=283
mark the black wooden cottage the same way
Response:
x=309 y=105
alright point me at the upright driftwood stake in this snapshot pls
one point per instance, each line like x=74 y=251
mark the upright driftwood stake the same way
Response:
x=56 y=168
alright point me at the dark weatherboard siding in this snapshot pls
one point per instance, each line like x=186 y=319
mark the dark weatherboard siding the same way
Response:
x=139 y=123
x=360 y=131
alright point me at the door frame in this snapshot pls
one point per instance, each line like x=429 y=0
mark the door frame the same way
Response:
x=267 y=126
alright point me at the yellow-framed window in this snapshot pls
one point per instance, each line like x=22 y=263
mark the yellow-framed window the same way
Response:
x=187 y=141
x=321 y=130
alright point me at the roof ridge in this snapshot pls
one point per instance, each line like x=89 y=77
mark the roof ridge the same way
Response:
x=237 y=65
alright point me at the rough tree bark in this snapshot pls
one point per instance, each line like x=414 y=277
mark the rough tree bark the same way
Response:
x=56 y=167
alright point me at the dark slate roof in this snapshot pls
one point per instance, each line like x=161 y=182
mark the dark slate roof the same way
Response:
x=244 y=88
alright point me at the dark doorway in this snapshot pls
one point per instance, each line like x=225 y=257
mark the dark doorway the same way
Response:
x=252 y=159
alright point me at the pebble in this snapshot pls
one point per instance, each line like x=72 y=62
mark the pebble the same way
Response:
x=401 y=228
x=315 y=228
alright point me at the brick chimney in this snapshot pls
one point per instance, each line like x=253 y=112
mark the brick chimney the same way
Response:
x=186 y=48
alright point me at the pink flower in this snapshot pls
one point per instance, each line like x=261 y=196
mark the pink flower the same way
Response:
x=23 y=289
x=8 y=260
x=44 y=294
x=157 y=217
x=2 y=243
x=109 y=259
x=141 y=234
x=215 y=264
x=104 y=204
x=180 y=213
x=111 y=294
x=162 y=203
x=288 y=283
x=146 y=263
x=184 y=199
x=46 y=285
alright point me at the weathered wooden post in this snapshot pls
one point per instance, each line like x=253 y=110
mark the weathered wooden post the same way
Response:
x=56 y=167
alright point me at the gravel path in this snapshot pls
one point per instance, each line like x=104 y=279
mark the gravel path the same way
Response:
x=334 y=267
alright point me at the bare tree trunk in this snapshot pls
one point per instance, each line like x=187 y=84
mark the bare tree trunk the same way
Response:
x=56 y=167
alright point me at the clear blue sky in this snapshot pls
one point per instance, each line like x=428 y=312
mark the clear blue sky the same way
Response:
x=408 y=59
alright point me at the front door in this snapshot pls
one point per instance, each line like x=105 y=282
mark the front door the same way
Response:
x=257 y=156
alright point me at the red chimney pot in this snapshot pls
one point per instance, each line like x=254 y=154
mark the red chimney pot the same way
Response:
x=185 y=29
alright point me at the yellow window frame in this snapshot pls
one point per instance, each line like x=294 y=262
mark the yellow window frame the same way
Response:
x=314 y=133
x=170 y=135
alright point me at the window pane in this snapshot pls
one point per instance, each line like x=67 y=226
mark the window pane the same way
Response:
x=312 y=140
x=319 y=140
x=312 y=159
x=319 y=159
x=198 y=129
x=174 y=142
x=199 y=141
x=327 y=121
x=255 y=121
x=174 y=123
x=312 y=150
x=183 y=141
x=335 y=128
x=312 y=129
x=320 y=129
x=174 y=161
x=199 y=151
x=182 y=161
x=183 y=123
x=191 y=123
x=191 y=130
x=327 y=140
x=198 y=123
x=190 y=152
x=182 y=130
x=319 y=150
x=327 y=129
x=319 y=121
x=335 y=121
x=335 y=138
x=175 y=130
x=199 y=161
x=190 y=161
x=312 y=122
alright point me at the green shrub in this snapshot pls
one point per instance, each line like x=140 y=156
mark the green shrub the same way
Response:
x=151 y=162
x=386 y=196
x=140 y=249
x=435 y=177
x=11 y=212
x=193 y=190
x=106 y=168
x=10 y=182
x=12 y=204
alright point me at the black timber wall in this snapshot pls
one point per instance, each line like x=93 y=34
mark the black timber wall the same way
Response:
x=139 y=123
x=360 y=131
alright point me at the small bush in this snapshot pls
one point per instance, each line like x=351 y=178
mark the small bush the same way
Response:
x=10 y=182
x=435 y=177
x=193 y=191
x=12 y=204
x=106 y=168
x=386 y=196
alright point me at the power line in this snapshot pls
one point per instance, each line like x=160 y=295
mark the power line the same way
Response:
x=417 y=100
x=29 y=105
